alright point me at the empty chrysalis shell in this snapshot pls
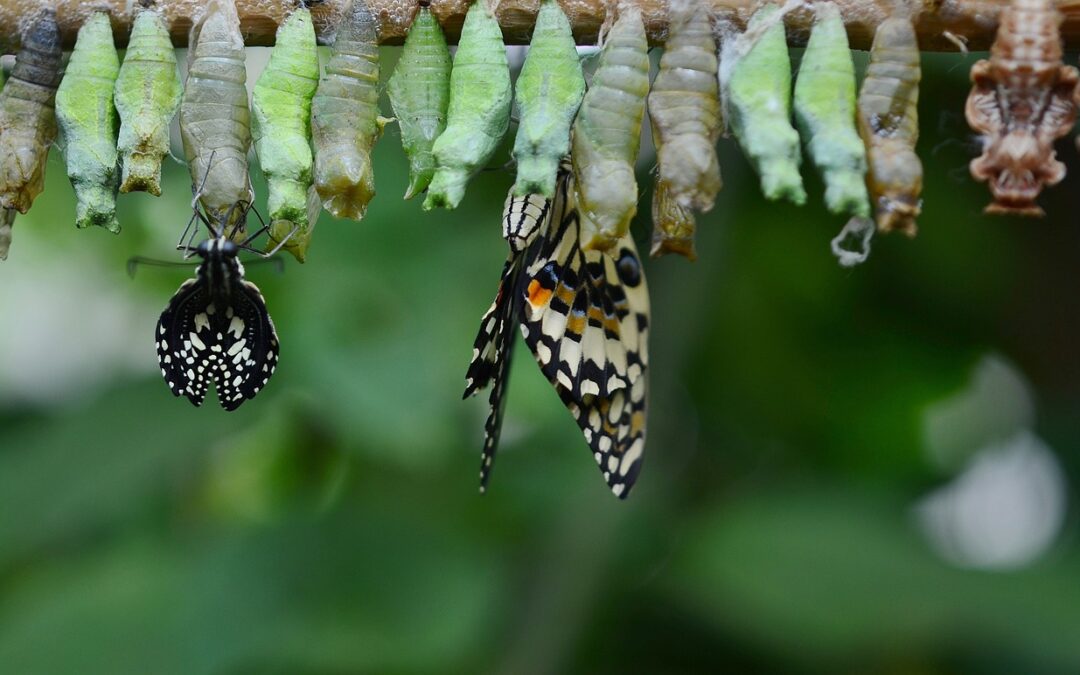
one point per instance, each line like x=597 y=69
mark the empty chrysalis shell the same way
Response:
x=759 y=103
x=89 y=123
x=607 y=134
x=1022 y=100
x=888 y=120
x=673 y=224
x=215 y=122
x=281 y=129
x=825 y=114
x=419 y=91
x=479 y=112
x=548 y=93
x=27 y=114
x=147 y=95
x=345 y=119
x=684 y=109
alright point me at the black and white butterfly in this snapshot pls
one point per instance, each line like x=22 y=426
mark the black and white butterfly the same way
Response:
x=584 y=316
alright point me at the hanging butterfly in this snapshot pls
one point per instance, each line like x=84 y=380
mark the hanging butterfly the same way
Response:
x=584 y=316
x=216 y=327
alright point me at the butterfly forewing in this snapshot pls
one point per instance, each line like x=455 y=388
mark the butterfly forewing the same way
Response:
x=179 y=356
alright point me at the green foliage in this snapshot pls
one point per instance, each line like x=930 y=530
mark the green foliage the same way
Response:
x=147 y=96
x=548 y=93
x=607 y=133
x=281 y=129
x=479 y=112
x=89 y=123
x=345 y=119
x=419 y=91
x=825 y=113
x=759 y=102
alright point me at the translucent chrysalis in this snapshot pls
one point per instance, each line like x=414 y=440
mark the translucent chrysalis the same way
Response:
x=147 y=96
x=345 y=116
x=758 y=91
x=673 y=224
x=479 y=112
x=89 y=123
x=281 y=129
x=825 y=114
x=419 y=91
x=607 y=133
x=27 y=114
x=548 y=93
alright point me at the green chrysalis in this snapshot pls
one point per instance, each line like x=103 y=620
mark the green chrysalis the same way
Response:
x=759 y=103
x=607 y=134
x=549 y=91
x=825 y=113
x=215 y=122
x=147 y=96
x=89 y=123
x=673 y=224
x=684 y=108
x=479 y=113
x=27 y=114
x=281 y=128
x=419 y=91
x=345 y=119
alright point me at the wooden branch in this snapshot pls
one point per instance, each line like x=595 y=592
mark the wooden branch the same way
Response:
x=973 y=21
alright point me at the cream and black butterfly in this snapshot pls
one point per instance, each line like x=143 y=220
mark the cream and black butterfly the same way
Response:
x=584 y=316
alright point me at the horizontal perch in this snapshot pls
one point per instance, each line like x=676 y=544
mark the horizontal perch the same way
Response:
x=939 y=22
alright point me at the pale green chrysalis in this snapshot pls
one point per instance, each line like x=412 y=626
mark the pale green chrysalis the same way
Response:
x=673 y=224
x=89 y=123
x=825 y=114
x=27 y=114
x=147 y=96
x=684 y=109
x=479 y=114
x=548 y=94
x=345 y=119
x=281 y=129
x=759 y=104
x=419 y=91
x=607 y=134
x=215 y=123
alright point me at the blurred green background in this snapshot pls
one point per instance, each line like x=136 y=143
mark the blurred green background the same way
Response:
x=848 y=471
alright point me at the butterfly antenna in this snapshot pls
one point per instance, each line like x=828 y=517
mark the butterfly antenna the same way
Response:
x=136 y=260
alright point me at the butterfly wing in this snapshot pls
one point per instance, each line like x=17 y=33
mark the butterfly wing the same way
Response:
x=245 y=346
x=181 y=351
x=614 y=428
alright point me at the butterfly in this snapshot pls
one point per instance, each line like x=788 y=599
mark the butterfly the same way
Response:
x=584 y=316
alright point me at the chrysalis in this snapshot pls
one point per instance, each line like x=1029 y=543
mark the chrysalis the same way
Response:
x=215 y=122
x=345 y=116
x=888 y=120
x=825 y=114
x=89 y=123
x=1022 y=100
x=147 y=96
x=27 y=115
x=673 y=224
x=419 y=91
x=549 y=91
x=758 y=91
x=281 y=129
x=479 y=111
x=684 y=108
x=607 y=133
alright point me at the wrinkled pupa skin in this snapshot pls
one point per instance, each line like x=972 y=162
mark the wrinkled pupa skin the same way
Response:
x=684 y=109
x=888 y=120
x=825 y=114
x=27 y=114
x=479 y=113
x=673 y=224
x=607 y=134
x=759 y=106
x=419 y=92
x=89 y=123
x=147 y=96
x=215 y=122
x=281 y=130
x=1022 y=100
x=548 y=93
x=345 y=119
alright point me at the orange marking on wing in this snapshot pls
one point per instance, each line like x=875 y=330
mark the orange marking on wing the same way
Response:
x=575 y=323
x=538 y=295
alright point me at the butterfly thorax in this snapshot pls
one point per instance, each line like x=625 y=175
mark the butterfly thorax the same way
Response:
x=221 y=271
